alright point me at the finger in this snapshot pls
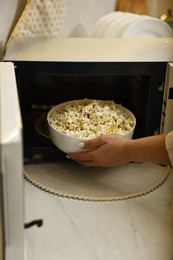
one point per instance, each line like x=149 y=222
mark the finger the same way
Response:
x=80 y=156
x=86 y=163
x=92 y=143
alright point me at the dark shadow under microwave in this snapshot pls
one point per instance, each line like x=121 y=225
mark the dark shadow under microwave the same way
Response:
x=138 y=86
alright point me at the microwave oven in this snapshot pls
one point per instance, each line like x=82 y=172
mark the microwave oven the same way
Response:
x=38 y=73
x=133 y=72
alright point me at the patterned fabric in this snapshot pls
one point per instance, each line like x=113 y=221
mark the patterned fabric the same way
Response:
x=169 y=146
x=41 y=18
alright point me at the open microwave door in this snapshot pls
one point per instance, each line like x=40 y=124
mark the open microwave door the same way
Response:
x=11 y=167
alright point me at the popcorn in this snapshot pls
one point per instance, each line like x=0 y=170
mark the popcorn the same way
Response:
x=91 y=118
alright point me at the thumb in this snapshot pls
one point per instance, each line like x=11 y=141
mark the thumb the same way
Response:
x=92 y=143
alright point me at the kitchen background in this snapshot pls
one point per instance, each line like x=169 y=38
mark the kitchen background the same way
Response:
x=140 y=228
x=81 y=15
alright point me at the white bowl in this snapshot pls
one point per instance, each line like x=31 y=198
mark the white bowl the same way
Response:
x=70 y=144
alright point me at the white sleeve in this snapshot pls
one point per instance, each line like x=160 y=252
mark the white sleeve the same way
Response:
x=169 y=146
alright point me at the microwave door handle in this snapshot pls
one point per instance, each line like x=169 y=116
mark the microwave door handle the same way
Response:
x=38 y=222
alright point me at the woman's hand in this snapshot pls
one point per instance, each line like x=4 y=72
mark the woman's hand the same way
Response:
x=105 y=150
x=111 y=150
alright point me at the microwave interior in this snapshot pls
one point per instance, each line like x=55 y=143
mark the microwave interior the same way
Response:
x=137 y=86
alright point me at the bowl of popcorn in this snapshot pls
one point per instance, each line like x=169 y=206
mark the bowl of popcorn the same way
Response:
x=72 y=122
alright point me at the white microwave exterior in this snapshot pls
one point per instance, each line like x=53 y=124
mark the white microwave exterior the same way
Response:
x=90 y=49
x=167 y=107
x=99 y=50
x=11 y=165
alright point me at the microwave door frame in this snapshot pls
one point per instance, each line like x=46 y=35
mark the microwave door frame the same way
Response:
x=11 y=166
x=167 y=107
x=2 y=243
x=2 y=231
x=154 y=70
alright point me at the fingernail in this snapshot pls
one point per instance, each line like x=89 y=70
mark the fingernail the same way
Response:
x=67 y=156
x=81 y=145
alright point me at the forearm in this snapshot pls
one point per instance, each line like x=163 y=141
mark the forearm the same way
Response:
x=148 y=149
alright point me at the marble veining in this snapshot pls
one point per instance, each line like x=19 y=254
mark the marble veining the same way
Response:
x=138 y=228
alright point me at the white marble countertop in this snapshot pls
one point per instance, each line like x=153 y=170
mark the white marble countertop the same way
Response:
x=138 y=228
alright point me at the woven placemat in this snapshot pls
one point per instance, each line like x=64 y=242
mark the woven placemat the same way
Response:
x=70 y=180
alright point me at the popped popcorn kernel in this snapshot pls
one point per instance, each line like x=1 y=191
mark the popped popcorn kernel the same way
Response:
x=91 y=118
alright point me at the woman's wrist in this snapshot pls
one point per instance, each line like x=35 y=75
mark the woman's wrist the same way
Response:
x=148 y=149
x=129 y=150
